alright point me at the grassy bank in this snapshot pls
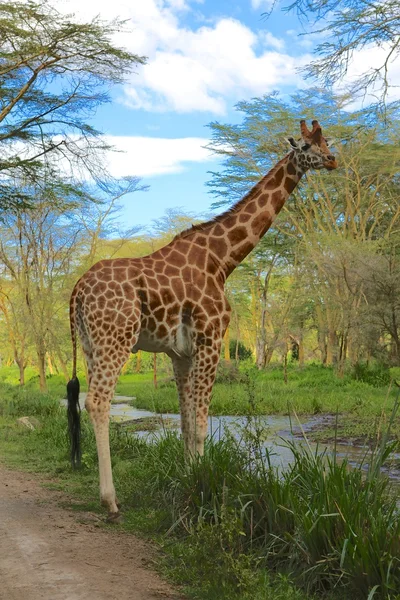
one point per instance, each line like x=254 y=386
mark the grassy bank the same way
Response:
x=363 y=398
x=311 y=390
x=229 y=526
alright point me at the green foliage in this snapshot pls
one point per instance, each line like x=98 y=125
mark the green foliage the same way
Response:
x=229 y=520
x=55 y=72
x=313 y=519
x=21 y=401
x=315 y=269
x=395 y=373
x=243 y=352
x=376 y=374
x=10 y=375
x=228 y=372
x=313 y=389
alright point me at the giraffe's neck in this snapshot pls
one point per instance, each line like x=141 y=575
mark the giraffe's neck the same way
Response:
x=232 y=235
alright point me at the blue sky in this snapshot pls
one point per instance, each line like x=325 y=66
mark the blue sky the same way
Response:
x=203 y=57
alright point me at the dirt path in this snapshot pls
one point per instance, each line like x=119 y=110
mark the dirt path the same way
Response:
x=46 y=554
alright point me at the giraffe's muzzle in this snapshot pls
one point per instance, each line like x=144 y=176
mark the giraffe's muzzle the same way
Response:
x=331 y=164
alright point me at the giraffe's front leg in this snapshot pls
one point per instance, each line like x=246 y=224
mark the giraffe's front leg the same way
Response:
x=98 y=406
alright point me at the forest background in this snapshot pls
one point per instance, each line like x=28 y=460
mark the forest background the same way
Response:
x=319 y=297
x=322 y=286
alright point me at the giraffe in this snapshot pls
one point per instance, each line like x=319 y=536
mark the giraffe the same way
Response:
x=173 y=301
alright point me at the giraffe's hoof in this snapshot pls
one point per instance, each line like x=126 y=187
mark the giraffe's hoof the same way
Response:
x=115 y=518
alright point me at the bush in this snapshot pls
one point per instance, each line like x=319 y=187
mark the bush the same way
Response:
x=376 y=374
x=228 y=372
x=395 y=374
x=328 y=525
x=244 y=353
x=22 y=401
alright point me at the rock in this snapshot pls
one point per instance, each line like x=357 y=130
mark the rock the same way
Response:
x=29 y=422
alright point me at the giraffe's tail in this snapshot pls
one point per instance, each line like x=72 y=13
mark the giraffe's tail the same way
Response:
x=73 y=410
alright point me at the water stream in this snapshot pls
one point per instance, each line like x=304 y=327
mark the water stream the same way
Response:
x=276 y=429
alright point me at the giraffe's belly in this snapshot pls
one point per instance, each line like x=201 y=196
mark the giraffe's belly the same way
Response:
x=178 y=341
x=148 y=344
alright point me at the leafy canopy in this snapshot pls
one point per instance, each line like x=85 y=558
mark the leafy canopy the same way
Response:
x=54 y=73
x=348 y=26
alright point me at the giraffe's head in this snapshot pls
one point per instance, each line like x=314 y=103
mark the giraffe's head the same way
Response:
x=312 y=150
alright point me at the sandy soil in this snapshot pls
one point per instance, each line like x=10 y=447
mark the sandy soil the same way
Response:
x=47 y=554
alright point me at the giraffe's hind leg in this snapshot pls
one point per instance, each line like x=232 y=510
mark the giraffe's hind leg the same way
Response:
x=195 y=378
x=183 y=371
x=105 y=359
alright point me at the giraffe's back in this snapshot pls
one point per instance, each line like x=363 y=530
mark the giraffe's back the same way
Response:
x=176 y=305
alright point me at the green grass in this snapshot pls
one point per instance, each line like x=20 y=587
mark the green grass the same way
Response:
x=312 y=390
x=362 y=404
x=230 y=526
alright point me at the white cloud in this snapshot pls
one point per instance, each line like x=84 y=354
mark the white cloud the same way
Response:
x=265 y=4
x=151 y=156
x=197 y=68
x=367 y=60
x=203 y=68
x=271 y=41
x=140 y=156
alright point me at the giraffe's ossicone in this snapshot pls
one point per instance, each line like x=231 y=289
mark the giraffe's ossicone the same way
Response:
x=173 y=301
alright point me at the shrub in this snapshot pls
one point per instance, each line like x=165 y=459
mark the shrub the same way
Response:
x=376 y=374
x=243 y=352
x=228 y=372
x=22 y=401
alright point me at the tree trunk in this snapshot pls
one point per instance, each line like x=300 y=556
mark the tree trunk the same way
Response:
x=50 y=364
x=395 y=351
x=352 y=351
x=285 y=373
x=227 y=354
x=21 y=366
x=237 y=351
x=19 y=359
x=237 y=324
x=268 y=356
x=261 y=353
x=301 y=351
x=42 y=371
x=321 y=333
x=342 y=356
x=332 y=348
x=63 y=366
x=155 y=370
x=261 y=339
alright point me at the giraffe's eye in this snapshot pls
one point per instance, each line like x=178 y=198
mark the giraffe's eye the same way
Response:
x=306 y=146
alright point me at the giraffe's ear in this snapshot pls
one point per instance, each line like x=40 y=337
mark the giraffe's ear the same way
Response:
x=292 y=142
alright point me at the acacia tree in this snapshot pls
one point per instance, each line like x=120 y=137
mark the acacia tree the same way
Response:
x=13 y=313
x=326 y=215
x=36 y=250
x=54 y=73
x=381 y=276
x=43 y=251
x=349 y=26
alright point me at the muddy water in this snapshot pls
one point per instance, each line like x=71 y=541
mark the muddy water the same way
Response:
x=276 y=429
